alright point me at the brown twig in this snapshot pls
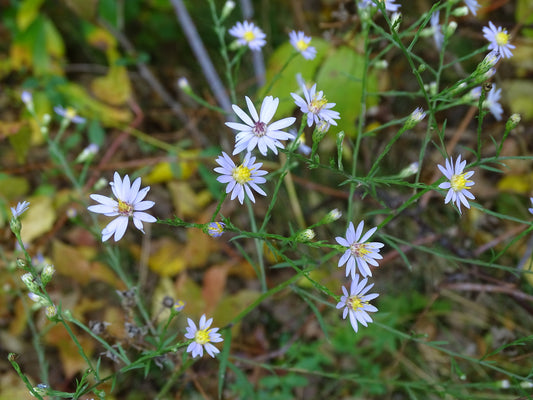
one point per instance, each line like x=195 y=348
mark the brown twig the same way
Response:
x=479 y=287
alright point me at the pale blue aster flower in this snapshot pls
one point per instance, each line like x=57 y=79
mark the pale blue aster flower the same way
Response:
x=242 y=179
x=302 y=44
x=202 y=337
x=358 y=252
x=248 y=34
x=356 y=303
x=492 y=102
x=257 y=131
x=438 y=36
x=316 y=106
x=472 y=5
x=531 y=209
x=389 y=4
x=129 y=203
x=69 y=114
x=499 y=40
x=458 y=184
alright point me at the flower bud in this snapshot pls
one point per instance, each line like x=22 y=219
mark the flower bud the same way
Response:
x=332 y=216
x=47 y=274
x=411 y=169
x=460 y=11
x=215 y=229
x=227 y=9
x=51 y=312
x=178 y=306
x=416 y=116
x=41 y=389
x=396 y=20
x=512 y=122
x=305 y=236
x=30 y=282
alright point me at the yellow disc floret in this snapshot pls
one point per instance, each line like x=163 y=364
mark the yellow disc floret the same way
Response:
x=317 y=104
x=301 y=45
x=248 y=36
x=125 y=208
x=70 y=113
x=355 y=303
x=359 y=249
x=242 y=174
x=459 y=182
x=201 y=337
x=502 y=38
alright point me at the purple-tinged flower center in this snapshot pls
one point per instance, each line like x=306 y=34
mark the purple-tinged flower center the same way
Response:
x=359 y=249
x=317 y=103
x=125 y=209
x=259 y=129
x=354 y=302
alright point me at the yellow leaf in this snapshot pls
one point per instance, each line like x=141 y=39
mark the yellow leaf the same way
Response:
x=27 y=12
x=39 y=218
x=99 y=38
x=186 y=202
x=522 y=183
x=167 y=260
x=114 y=88
x=166 y=171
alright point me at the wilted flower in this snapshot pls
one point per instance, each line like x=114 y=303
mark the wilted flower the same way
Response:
x=356 y=303
x=248 y=34
x=257 y=131
x=202 y=337
x=359 y=253
x=241 y=179
x=129 y=203
x=458 y=184
x=499 y=40
x=301 y=43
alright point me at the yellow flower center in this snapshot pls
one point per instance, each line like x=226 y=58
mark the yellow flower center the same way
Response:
x=459 y=182
x=359 y=249
x=301 y=45
x=502 y=38
x=355 y=303
x=242 y=174
x=317 y=104
x=201 y=337
x=249 y=36
x=125 y=208
x=70 y=113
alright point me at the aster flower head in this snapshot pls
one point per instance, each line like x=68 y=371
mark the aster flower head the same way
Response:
x=458 y=185
x=316 y=106
x=69 y=114
x=492 y=102
x=257 y=131
x=389 y=4
x=248 y=34
x=242 y=179
x=215 y=229
x=472 y=6
x=20 y=208
x=202 y=337
x=359 y=252
x=301 y=43
x=129 y=203
x=499 y=40
x=438 y=36
x=531 y=209
x=356 y=303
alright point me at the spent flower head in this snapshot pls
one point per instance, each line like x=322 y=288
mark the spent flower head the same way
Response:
x=129 y=203
x=302 y=44
x=257 y=131
x=359 y=252
x=242 y=179
x=316 y=106
x=248 y=34
x=69 y=114
x=458 y=185
x=499 y=40
x=202 y=337
x=356 y=303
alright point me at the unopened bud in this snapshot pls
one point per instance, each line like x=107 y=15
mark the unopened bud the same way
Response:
x=51 y=312
x=30 y=282
x=332 y=216
x=215 y=229
x=450 y=29
x=416 y=116
x=411 y=169
x=512 y=122
x=460 y=11
x=178 y=306
x=396 y=20
x=227 y=9
x=305 y=236
x=41 y=389
x=47 y=274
